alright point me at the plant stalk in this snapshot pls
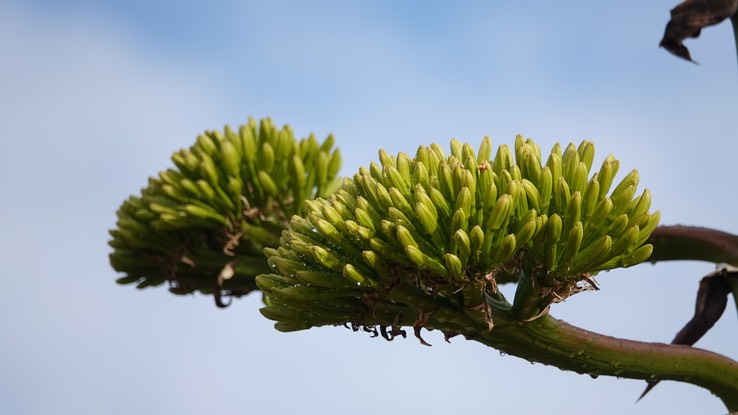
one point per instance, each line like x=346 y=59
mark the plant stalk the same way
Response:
x=678 y=242
x=554 y=342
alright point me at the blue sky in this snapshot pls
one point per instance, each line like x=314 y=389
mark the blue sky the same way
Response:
x=96 y=95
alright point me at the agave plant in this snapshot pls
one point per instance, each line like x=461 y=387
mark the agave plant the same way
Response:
x=420 y=242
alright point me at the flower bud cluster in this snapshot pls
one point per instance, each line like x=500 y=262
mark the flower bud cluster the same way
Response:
x=442 y=224
x=227 y=197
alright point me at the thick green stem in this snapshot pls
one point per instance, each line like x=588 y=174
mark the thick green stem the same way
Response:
x=554 y=342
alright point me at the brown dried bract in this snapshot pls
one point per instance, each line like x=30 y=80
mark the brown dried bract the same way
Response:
x=420 y=323
x=712 y=298
x=688 y=19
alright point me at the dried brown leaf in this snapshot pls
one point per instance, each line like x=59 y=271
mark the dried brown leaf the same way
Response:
x=712 y=298
x=688 y=19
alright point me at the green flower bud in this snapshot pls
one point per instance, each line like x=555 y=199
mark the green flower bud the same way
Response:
x=268 y=184
x=400 y=202
x=586 y=154
x=421 y=175
x=503 y=159
x=231 y=158
x=395 y=179
x=426 y=262
x=573 y=243
x=532 y=195
x=456 y=147
x=297 y=174
x=601 y=213
x=545 y=188
x=365 y=219
x=570 y=162
x=464 y=201
x=428 y=217
x=334 y=217
x=562 y=195
x=329 y=231
x=641 y=204
x=374 y=261
x=248 y=143
x=607 y=174
x=325 y=258
x=454 y=266
x=525 y=233
x=266 y=160
x=622 y=201
x=476 y=237
x=204 y=213
x=626 y=241
x=359 y=232
x=630 y=180
x=554 y=228
x=190 y=187
x=463 y=245
x=321 y=170
x=639 y=255
x=506 y=249
x=555 y=166
x=403 y=167
x=485 y=151
x=590 y=197
x=405 y=237
x=209 y=171
x=467 y=152
x=459 y=220
x=423 y=157
x=645 y=232
x=440 y=202
x=591 y=256
x=446 y=180
x=206 y=144
x=351 y=273
x=500 y=213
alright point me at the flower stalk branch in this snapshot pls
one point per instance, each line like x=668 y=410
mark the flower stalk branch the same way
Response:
x=672 y=243
x=554 y=342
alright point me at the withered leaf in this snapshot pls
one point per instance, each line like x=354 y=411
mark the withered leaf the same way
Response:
x=712 y=298
x=688 y=19
x=420 y=323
